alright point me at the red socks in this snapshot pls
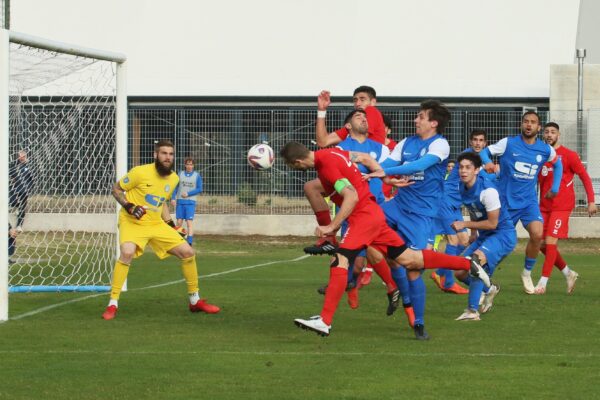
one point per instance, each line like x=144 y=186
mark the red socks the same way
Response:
x=551 y=252
x=559 y=262
x=433 y=260
x=323 y=217
x=338 y=278
x=383 y=270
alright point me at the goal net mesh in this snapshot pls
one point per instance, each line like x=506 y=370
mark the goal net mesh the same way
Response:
x=61 y=168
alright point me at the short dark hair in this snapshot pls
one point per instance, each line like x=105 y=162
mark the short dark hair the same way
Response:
x=387 y=121
x=163 y=143
x=188 y=160
x=366 y=89
x=478 y=132
x=351 y=114
x=452 y=161
x=531 y=112
x=552 y=125
x=293 y=151
x=469 y=156
x=437 y=112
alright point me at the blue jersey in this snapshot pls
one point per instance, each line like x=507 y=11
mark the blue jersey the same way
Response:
x=424 y=196
x=376 y=150
x=481 y=198
x=520 y=164
x=451 y=191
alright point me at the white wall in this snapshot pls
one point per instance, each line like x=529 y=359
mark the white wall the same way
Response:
x=499 y=48
x=232 y=224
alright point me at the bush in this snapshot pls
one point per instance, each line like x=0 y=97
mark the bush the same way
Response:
x=246 y=195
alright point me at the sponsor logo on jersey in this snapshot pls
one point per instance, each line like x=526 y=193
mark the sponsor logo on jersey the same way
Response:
x=153 y=200
x=525 y=170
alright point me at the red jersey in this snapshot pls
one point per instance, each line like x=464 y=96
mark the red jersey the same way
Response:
x=376 y=126
x=565 y=199
x=334 y=164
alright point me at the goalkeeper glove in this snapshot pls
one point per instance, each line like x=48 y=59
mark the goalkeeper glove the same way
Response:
x=179 y=229
x=137 y=211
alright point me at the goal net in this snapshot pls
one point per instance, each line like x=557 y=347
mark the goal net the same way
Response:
x=61 y=159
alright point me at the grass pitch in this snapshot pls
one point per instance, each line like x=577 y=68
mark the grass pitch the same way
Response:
x=57 y=346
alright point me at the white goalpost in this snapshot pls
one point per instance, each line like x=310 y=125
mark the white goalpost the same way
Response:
x=63 y=129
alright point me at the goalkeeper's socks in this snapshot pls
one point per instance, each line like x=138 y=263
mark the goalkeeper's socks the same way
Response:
x=118 y=280
x=190 y=273
x=194 y=298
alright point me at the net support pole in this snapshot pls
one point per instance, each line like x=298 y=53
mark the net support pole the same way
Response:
x=580 y=57
x=4 y=156
x=121 y=146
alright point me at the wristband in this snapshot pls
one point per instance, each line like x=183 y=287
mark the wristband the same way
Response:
x=321 y=113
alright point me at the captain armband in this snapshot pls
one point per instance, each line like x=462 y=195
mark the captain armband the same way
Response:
x=340 y=184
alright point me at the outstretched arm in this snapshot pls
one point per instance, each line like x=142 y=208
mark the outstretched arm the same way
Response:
x=366 y=160
x=324 y=138
x=558 y=170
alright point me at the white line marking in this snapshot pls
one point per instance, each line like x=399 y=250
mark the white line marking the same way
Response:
x=230 y=271
x=305 y=353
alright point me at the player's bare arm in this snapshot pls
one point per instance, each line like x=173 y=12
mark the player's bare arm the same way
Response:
x=366 y=160
x=400 y=182
x=119 y=194
x=350 y=196
x=487 y=224
x=324 y=138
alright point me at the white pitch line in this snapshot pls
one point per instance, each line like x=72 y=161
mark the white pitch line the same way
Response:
x=303 y=353
x=230 y=271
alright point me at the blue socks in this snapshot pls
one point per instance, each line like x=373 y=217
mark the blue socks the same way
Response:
x=529 y=263
x=399 y=277
x=475 y=289
x=417 y=297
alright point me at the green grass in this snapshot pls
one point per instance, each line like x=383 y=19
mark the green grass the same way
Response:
x=526 y=347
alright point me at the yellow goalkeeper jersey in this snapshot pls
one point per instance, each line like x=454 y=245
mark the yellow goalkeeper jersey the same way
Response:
x=145 y=187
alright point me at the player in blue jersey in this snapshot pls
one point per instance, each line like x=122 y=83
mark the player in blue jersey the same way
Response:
x=497 y=235
x=521 y=158
x=422 y=158
x=450 y=211
x=185 y=197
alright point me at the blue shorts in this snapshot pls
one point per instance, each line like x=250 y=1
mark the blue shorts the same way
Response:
x=415 y=229
x=495 y=246
x=185 y=211
x=526 y=214
x=442 y=224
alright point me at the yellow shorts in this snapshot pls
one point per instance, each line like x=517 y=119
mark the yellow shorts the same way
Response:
x=160 y=237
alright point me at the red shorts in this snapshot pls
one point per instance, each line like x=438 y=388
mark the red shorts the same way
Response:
x=368 y=228
x=556 y=224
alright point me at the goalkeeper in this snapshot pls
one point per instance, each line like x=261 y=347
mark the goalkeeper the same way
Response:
x=144 y=194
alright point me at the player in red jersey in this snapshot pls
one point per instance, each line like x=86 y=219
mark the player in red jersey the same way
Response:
x=556 y=211
x=366 y=225
x=364 y=98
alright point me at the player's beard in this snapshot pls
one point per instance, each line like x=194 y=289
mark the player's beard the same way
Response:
x=162 y=169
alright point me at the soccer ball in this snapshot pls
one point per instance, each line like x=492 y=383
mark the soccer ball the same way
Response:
x=260 y=156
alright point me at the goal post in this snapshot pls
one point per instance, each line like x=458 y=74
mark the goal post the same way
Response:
x=63 y=129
